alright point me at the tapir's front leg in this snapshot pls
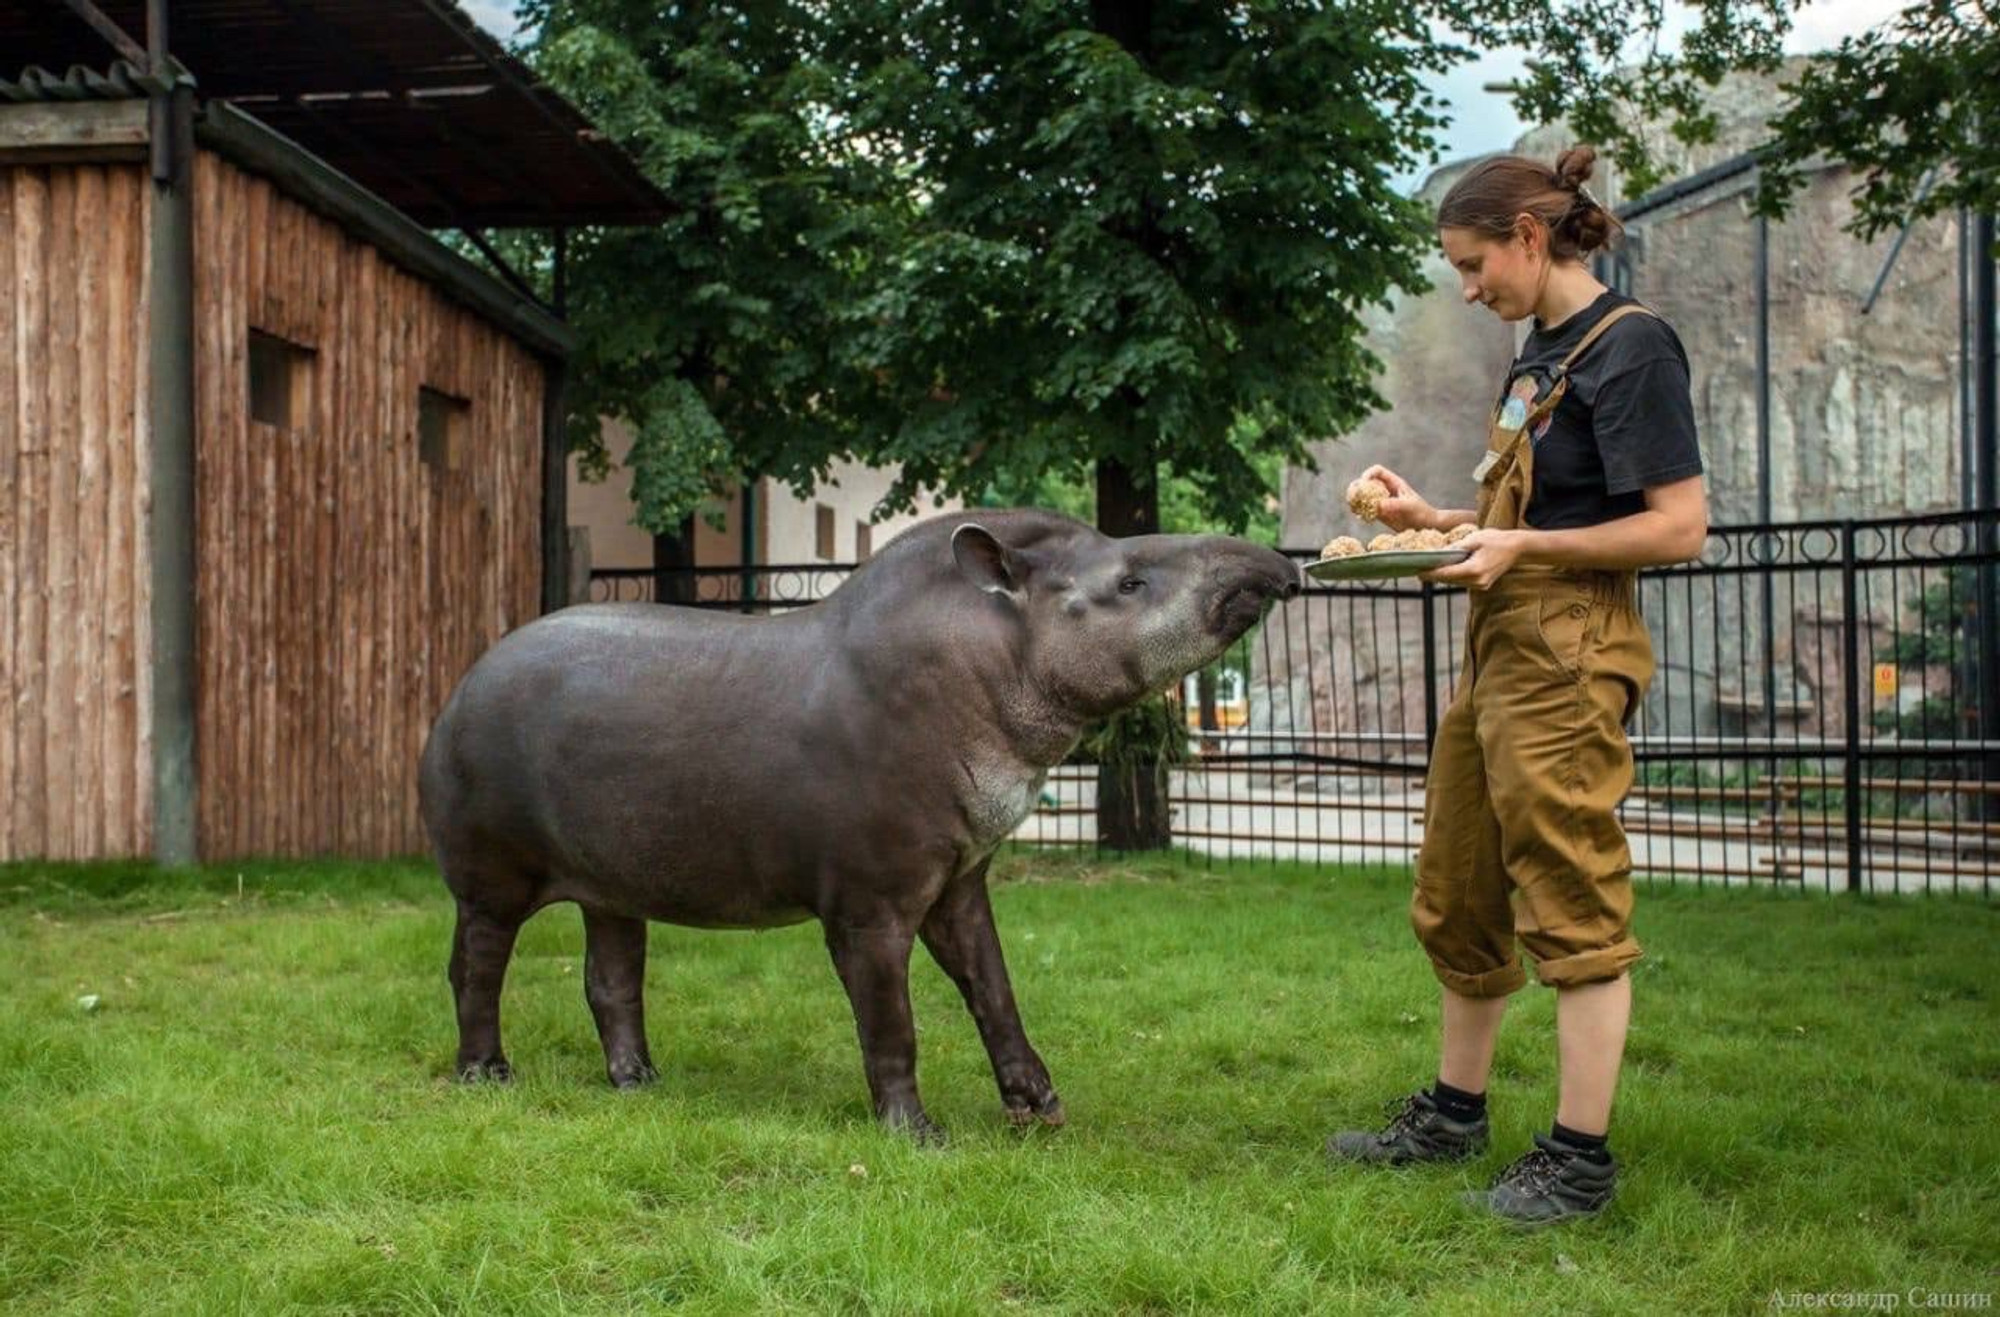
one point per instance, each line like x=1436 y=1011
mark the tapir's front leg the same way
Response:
x=960 y=934
x=873 y=958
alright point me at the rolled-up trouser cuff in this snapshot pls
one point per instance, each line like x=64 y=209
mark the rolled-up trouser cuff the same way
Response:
x=1493 y=983
x=1589 y=966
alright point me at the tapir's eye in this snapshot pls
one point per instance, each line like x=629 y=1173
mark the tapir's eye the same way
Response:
x=1131 y=585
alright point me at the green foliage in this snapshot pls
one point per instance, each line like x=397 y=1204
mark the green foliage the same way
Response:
x=998 y=246
x=992 y=247
x=1127 y=246
x=1944 y=613
x=1152 y=732
x=1912 y=104
x=1599 y=65
x=1184 y=510
x=715 y=335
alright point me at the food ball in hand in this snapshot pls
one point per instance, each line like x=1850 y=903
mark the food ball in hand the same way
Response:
x=1364 y=498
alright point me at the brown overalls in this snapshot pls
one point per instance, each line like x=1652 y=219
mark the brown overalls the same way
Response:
x=1521 y=834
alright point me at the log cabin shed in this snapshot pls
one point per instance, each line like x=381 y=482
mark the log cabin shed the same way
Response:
x=276 y=464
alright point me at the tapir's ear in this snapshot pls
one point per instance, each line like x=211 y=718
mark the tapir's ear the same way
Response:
x=985 y=560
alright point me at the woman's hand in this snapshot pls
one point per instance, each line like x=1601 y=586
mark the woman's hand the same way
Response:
x=1494 y=553
x=1405 y=508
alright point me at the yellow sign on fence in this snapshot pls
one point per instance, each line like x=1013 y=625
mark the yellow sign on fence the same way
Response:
x=1885 y=681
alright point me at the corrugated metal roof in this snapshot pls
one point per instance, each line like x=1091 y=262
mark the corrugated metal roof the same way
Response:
x=120 y=82
x=408 y=97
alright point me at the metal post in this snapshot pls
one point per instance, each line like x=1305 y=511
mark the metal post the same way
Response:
x=747 y=590
x=559 y=281
x=1850 y=644
x=555 y=485
x=1965 y=389
x=171 y=421
x=1987 y=455
x=555 y=457
x=1767 y=599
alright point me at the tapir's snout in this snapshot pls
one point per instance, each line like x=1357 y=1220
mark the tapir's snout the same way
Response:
x=1249 y=577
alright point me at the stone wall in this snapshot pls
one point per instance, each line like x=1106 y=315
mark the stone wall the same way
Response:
x=1865 y=410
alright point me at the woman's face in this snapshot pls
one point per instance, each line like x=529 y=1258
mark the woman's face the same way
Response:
x=1502 y=274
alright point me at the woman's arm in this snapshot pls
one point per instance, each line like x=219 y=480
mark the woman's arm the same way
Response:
x=1672 y=529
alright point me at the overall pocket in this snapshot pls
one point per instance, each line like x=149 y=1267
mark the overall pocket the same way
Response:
x=1565 y=622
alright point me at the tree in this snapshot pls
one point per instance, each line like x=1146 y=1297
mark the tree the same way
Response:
x=1133 y=227
x=1911 y=103
x=716 y=334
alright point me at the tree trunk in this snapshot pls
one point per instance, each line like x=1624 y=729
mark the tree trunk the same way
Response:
x=1132 y=807
x=1204 y=687
x=673 y=565
x=1131 y=804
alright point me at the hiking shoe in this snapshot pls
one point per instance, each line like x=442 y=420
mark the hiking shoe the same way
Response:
x=1417 y=1132
x=1552 y=1182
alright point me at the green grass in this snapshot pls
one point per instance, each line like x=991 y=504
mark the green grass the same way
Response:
x=257 y=1116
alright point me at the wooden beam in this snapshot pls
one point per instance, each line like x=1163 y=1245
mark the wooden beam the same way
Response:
x=170 y=419
x=72 y=132
x=306 y=177
x=555 y=485
x=128 y=49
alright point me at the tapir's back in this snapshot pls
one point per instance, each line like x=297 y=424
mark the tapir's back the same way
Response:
x=615 y=745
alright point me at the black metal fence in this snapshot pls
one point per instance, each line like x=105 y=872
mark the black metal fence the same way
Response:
x=1825 y=714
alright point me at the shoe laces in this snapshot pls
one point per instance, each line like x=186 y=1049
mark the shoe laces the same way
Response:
x=1535 y=1172
x=1404 y=1114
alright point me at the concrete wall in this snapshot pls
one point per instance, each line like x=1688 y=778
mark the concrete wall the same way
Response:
x=787 y=525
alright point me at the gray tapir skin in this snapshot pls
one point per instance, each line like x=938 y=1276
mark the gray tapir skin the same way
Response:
x=855 y=762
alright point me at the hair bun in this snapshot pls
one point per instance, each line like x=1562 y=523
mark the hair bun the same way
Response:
x=1574 y=166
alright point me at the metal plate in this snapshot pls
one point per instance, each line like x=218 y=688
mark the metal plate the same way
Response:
x=1384 y=564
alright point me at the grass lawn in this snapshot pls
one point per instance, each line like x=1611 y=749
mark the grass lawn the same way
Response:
x=257 y=1116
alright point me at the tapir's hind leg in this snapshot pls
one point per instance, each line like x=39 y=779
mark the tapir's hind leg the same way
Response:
x=480 y=948
x=614 y=983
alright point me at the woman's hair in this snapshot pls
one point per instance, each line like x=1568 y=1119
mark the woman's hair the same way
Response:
x=1495 y=192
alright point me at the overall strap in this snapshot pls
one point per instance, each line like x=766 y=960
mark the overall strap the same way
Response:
x=1611 y=318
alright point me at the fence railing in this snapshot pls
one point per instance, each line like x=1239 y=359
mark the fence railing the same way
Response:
x=1825 y=712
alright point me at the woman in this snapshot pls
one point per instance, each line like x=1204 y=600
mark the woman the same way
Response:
x=1591 y=471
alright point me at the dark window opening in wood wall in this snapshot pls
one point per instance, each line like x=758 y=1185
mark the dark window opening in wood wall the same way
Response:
x=443 y=426
x=280 y=381
x=823 y=526
x=864 y=541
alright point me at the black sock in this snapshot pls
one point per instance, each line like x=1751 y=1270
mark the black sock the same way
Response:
x=1457 y=1103
x=1594 y=1146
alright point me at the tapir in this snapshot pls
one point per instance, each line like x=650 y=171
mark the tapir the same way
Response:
x=856 y=761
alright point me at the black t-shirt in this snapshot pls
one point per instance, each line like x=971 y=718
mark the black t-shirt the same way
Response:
x=1626 y=424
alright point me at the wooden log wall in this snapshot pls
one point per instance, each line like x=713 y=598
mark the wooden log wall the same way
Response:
x=345 y=585
x=75 y=714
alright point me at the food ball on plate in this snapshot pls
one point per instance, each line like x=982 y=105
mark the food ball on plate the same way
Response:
x=1457 y=533
x=1381 y=542
x=1343 y=546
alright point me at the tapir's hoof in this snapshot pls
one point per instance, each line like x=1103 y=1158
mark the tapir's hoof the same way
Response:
x=637 y=1076
x=1050 y=1113
x=918 y=1129
x=496 y=1071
